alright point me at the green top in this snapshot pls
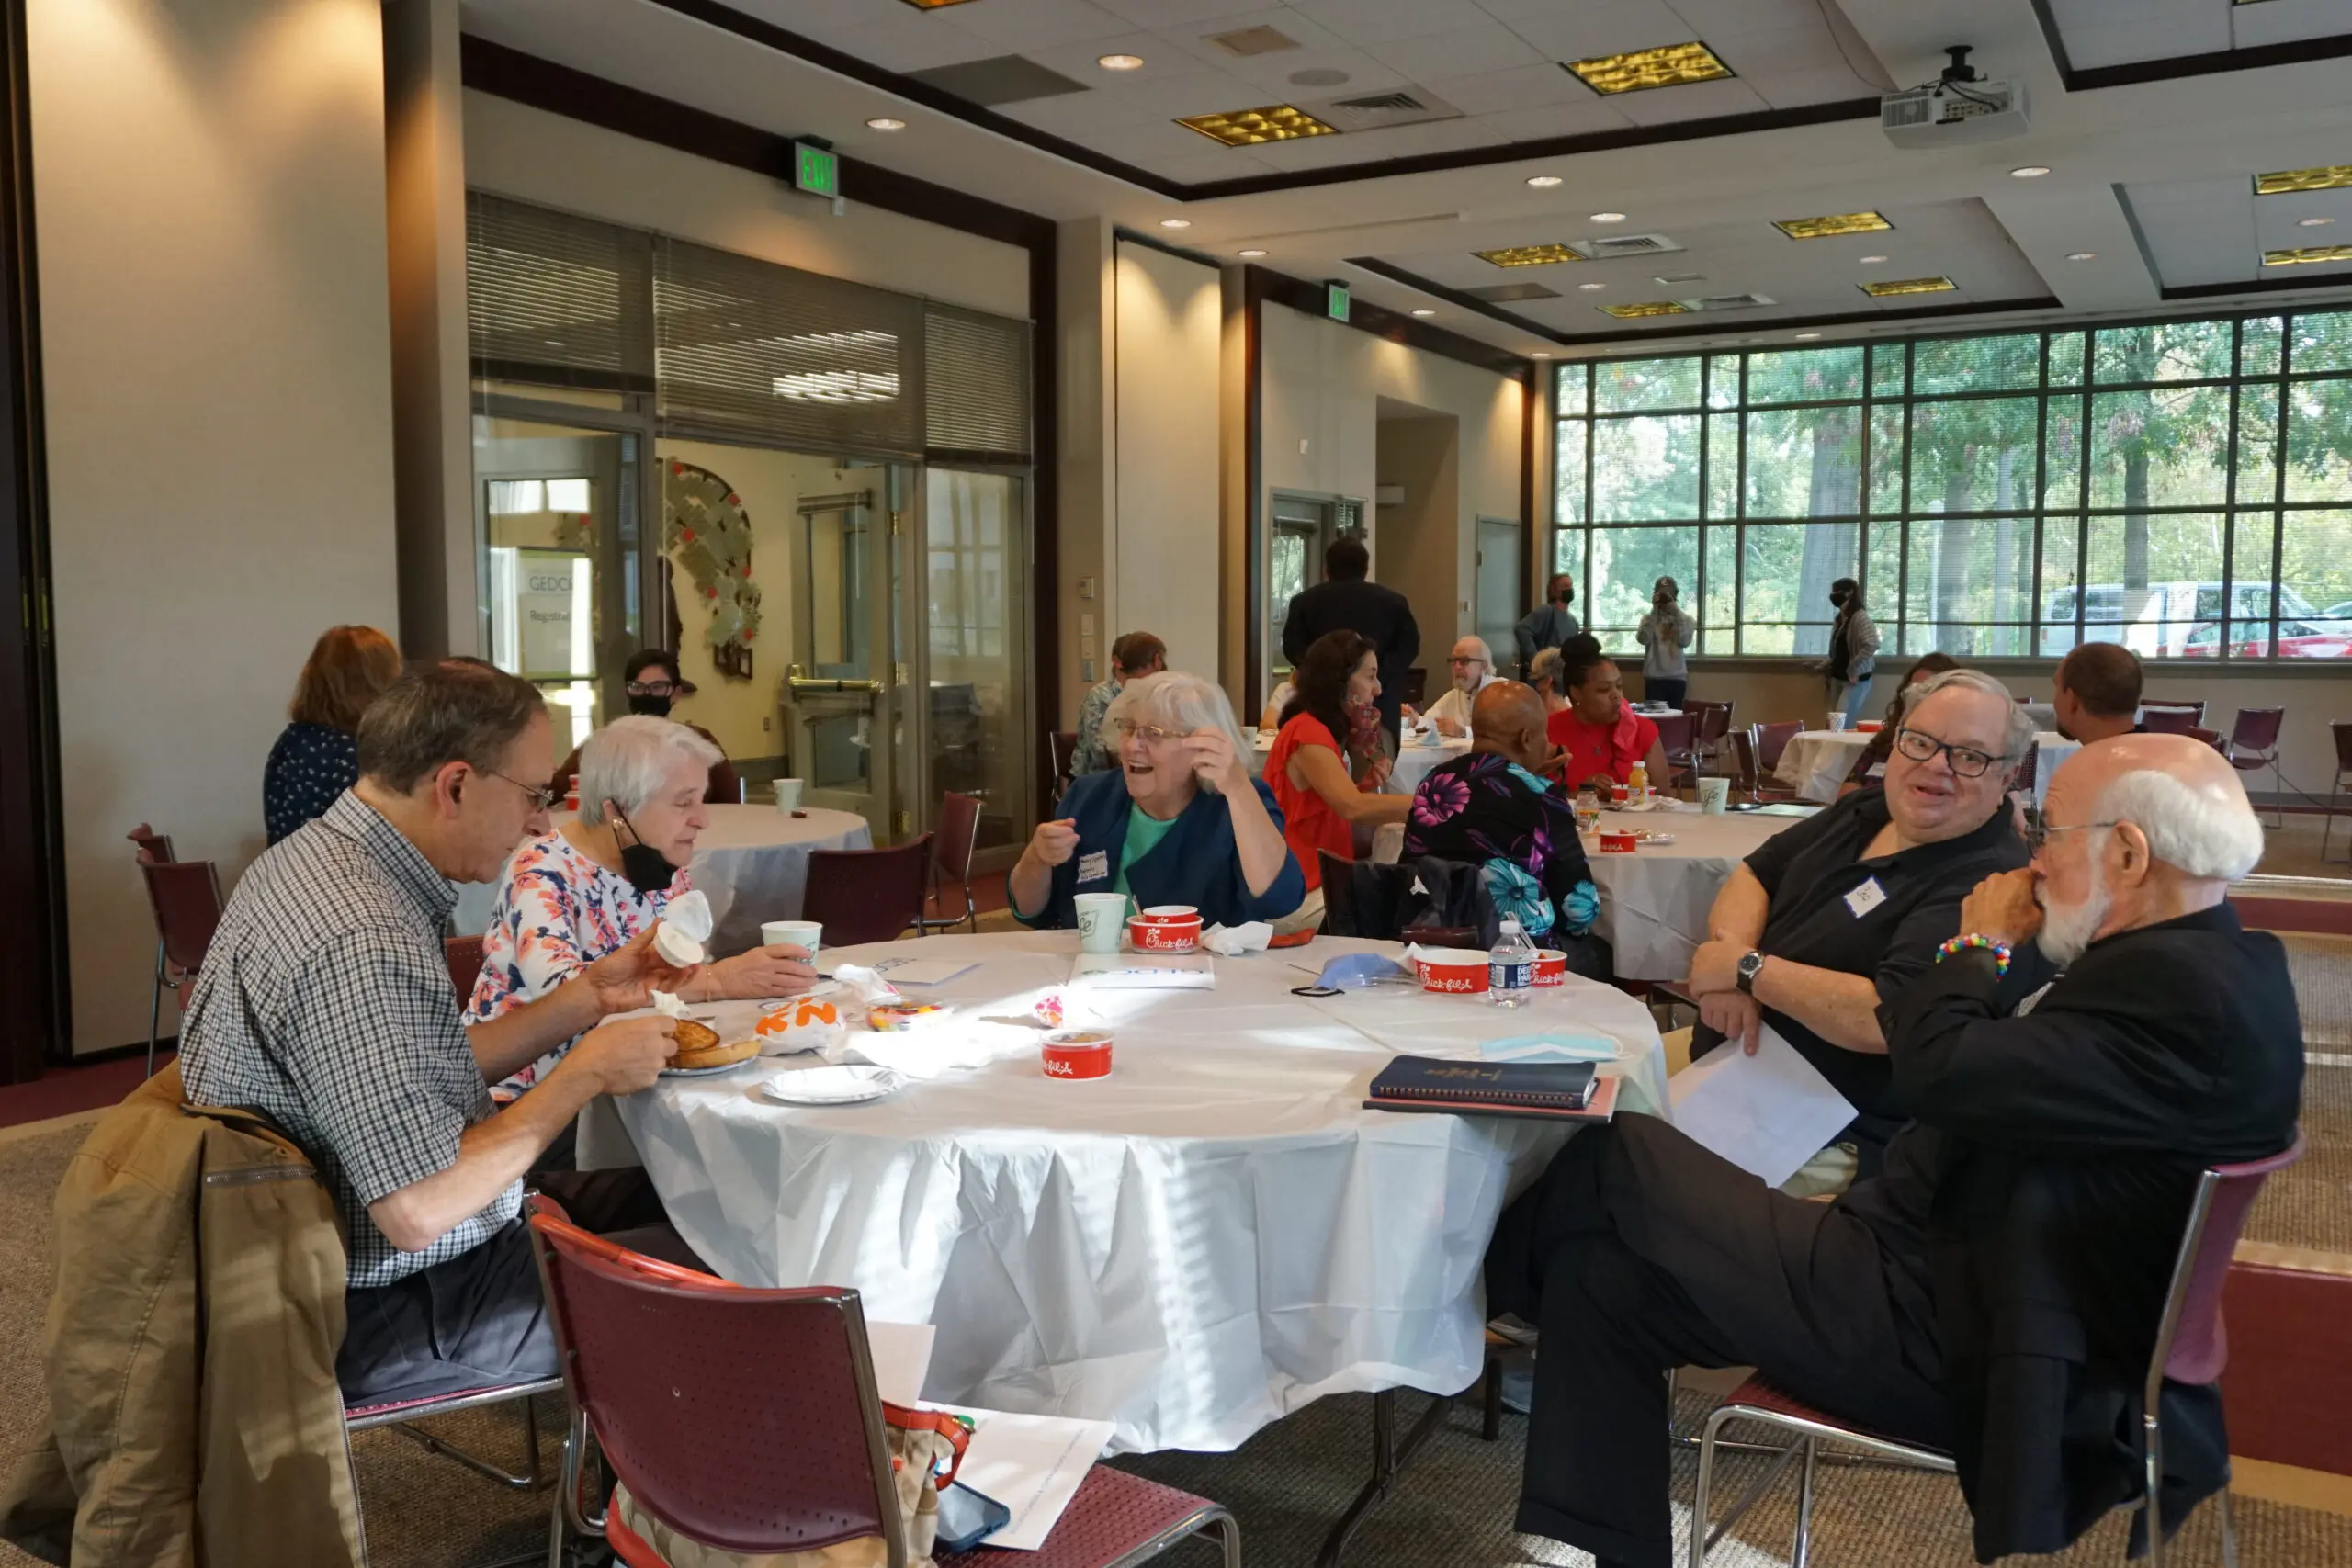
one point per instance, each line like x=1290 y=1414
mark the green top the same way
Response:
x=1144 y=833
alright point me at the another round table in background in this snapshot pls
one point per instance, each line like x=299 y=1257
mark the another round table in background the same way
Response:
x=752 y=862
x=1817 y=761
x=1412 y=765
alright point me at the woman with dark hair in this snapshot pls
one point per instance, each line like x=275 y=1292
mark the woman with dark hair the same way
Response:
x=1321 y=792
x=1600 y=737
x=317 y=756
x=1870 y=768
x=1853 y=651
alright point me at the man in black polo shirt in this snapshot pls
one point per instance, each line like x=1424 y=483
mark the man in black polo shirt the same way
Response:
x=1831 y=919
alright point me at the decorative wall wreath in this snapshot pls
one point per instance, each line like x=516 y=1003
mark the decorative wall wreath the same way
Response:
x=705 y=530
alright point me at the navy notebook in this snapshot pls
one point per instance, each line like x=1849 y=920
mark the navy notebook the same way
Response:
x=1563 y=1089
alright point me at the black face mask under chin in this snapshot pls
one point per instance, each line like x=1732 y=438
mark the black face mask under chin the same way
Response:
x=643 y=864
x=659 y=708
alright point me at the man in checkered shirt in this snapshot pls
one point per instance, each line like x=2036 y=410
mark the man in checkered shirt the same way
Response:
x=324 y=1001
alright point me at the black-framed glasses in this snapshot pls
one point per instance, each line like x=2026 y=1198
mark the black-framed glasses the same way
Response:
x=655 y=688
x=542 y=797
x=2038 y=832
x=1966 y=761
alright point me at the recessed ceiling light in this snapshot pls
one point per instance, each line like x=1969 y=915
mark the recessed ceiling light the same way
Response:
x=2082 y=256
x=1672 y=65
x=2313 y=222
x=1425 y=312
x=1608 y=218
x=1591 y=286
x=1252 y=251
x=2308 y=254
x=1538 y=353
x=2029 y=171
x=1907 y=286
x=884 y=122
x=1120 y=61
x=2334 y=176
x=1827 y=228
x=1175 y=222
x=1542 y=182
x=1248 y=128
x=1807 y=337
x=1646 y=307
x=1872 y=261
x=1528 y=255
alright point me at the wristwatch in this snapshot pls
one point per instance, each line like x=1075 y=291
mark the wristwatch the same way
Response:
x=1750 y=966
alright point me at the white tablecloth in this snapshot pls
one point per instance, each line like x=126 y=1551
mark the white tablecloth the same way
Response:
x=1654 y=902
x=1213 y=1236
x=1413 y=762
x=752 y=862
x=1818 y=761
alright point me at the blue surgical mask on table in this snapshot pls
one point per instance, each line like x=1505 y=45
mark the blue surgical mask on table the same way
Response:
x=1353 y=971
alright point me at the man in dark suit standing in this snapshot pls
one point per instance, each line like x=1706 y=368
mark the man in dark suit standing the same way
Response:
x=1345 y=601
x=1997 y=1292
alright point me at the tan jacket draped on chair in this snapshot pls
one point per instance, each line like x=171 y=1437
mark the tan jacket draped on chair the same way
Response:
x=189 y=1353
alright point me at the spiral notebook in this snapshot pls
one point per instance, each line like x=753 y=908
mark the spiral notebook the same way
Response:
x=1548 y=1090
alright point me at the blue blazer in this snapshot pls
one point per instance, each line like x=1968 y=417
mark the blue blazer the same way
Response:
x=1196 y=864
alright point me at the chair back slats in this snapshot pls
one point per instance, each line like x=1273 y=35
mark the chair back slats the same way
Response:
x=1676 y=734
x=745 y=1419
x=149 y=845
x=1771 y=740
x=2172 y=720
x=185 y=897
x=866 y=894
x=1713 y=721
x=2213 y=738
x=2029 y=772
x=1061 y=755
x=2256 y=729
x=2192 y=1345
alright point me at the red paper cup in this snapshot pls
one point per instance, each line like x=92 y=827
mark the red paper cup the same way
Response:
x=1170 y=915
x=1618 y=843
x=1164 y=936
x=1077 y=1053
x=1551 y=967
x=1870 y=726
x=1619 y=794
x=1451 y=974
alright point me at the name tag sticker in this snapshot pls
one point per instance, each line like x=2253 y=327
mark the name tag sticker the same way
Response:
x=1094 y=866
x=1866 y=897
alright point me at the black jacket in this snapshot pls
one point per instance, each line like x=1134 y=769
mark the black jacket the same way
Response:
x=2039 y=1201
x=1358 y=604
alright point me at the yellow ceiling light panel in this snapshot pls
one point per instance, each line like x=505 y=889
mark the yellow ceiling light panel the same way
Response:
x=935 y=4
x=2335 y=176
x=1646 y=307
x=1528 y=255
x=1827 y=228
x=1907 y=286
x=1248 y=128
x=1673 y=65
x=2308 y=254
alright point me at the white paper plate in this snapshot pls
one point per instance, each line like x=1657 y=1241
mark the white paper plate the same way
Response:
x=1649 y=836
x=708 y=1071
x=845 y=1085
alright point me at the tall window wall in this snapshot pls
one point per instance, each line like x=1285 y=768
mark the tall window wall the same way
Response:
x=2002 y=496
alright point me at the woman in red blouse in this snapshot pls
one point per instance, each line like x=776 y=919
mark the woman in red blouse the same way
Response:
x=1322 y=793
x=1601 y=739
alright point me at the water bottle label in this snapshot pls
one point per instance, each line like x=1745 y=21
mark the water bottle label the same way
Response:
x=1512 y=976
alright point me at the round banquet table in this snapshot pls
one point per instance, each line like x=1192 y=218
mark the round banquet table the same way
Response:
x=752 y=862
x=1412 y=765
x=1210 y=1238
x=1817 y=760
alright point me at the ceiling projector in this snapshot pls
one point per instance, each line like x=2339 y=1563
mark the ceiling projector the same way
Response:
x=1959 y=108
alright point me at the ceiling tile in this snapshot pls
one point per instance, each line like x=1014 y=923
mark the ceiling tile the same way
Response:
x=1695 y=100
x=1273 y=74
x=2286 y=21
x=1588 y=33
x=1373 y=146
x=1778 y=49
x=1210 y=164
x=2110 y=32
x=1368 y=22
x=1464 y=51
x=1179 y=13
x=1585 y=116
x=1791 y=89
x=1714 y=20
x=1193 y=36
x=1524 y=87
x=1000 y=79
x=1036 y=24
x=905 y=39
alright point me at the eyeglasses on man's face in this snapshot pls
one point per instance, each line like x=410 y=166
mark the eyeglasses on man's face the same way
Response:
x=1966 y=761
x=2038 y=832
x=542 y=797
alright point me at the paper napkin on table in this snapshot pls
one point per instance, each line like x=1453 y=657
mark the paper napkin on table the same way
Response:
x=1231 y=941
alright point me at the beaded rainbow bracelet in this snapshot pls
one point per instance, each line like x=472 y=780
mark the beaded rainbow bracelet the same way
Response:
x=1999 y=950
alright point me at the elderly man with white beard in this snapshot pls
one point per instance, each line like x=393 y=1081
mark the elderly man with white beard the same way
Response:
x=1995 y=1291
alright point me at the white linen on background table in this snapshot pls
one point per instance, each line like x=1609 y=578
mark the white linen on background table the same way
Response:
x=1213 y=1236
x=1412 y=765
x=1818 y=761
x=752 y=862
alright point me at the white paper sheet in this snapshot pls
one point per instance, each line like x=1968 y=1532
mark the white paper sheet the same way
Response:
x=1032 y=1464
x=1768 y=1114
x=921 y=971
x=1146 y=971
x=901 y=1358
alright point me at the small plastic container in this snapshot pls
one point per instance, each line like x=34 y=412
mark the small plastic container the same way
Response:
x=1072 y=1053
x=1456 y=973
x=1550 y=966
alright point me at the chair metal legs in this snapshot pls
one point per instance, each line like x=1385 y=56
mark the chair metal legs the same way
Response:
x=530 y=1479
x=1804 y=1508
x=2152 y=1456
x=2229 y=1530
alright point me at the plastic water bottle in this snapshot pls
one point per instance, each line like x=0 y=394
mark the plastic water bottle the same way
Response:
x=1510 y=968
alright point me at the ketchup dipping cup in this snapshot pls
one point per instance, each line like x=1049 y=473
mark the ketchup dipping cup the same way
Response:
x=1619 y=794
x=1618 y=843
x=1077 y=1053
x=1551 y=967
x=1870 y=726
x=1454 y=973
x=1170 y=915
x=1148 y=935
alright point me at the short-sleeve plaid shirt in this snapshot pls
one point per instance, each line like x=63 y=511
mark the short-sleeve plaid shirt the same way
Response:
x=325 y=1001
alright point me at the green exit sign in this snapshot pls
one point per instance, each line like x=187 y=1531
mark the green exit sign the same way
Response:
x=817 y=170
x=1335 y=301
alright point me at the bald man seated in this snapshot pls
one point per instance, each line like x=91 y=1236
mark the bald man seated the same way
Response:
x=1995 y=1291
x=1472 y=668
x=1490 y=809
x=2096 y=692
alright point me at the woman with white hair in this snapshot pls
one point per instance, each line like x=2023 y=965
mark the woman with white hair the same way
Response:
x=1180 y=820
x=593 y=884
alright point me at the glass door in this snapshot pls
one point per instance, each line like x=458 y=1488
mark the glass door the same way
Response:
x=838 y=693
x=976 y=674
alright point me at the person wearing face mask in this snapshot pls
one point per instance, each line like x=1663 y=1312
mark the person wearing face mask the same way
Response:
x=593 y=884
x=1550 y=623
x=653 y=686
x=1663 y=634
x=1854 y=651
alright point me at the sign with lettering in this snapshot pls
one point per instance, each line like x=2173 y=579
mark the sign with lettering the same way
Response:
x=552 y=616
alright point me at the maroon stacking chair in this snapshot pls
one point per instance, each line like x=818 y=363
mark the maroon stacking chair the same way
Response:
x=1747 y=778
x=2191 y=1348
x=186 y=898
x=2254 y=746
x=783 y=1451
x=1061 y=755
x=1712 y=723
x=2171 y=720
x=2027 y=773
x=951 y=856
x=2171 y=704
x=2213 y=738
x=2342 y=730
x=149 y=845
x=1771 y=740
x=463 y=955
x=866 y=894
x=1678 y=737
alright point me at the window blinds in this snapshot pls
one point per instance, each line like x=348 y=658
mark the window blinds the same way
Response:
x=557 y=300
x=977 y=386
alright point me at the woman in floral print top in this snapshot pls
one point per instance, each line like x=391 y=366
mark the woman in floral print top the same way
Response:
x=571 y=896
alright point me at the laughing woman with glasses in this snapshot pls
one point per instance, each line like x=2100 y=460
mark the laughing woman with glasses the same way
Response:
x=1179 y=820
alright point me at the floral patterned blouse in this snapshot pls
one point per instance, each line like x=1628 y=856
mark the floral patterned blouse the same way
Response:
x=557 y=912
x=1519 y=831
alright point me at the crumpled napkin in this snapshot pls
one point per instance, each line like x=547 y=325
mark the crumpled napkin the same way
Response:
x=954 y=1044
x=866 y=985
x=1231 y=941
x=669 y=1005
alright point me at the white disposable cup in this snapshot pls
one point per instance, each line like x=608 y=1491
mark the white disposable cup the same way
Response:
x=1837 y=722
x=1714 y=795
x=1101 y=918
x=787 y=794
x=803 y=934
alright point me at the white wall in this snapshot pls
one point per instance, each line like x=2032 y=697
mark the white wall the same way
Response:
x=1420 y=539
x=1165 y=543
x=210 y=198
